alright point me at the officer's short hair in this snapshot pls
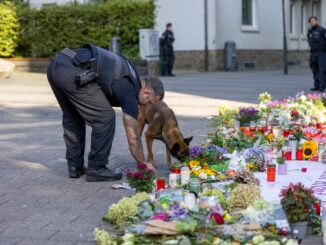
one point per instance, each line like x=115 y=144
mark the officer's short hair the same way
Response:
x=312 y=17
x=168 y=24
x=156 y=84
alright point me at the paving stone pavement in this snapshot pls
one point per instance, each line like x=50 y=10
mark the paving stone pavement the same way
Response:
x=39 y=204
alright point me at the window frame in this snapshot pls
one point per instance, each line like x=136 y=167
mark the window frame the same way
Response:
x=292 y=22
x=254 y=27
x=303 y=23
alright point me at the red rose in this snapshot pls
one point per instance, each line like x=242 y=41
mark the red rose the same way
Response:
x=218 y=219
x=138 y=175
x=141 y=166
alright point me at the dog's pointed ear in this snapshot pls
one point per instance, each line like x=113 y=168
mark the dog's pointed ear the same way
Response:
x=188 y=140
x=175 y=148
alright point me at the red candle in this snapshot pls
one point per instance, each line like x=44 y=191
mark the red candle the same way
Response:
x=271 y=173
x=299 y=154
x=288 y=155
x=286 y=133
x=176 y=171
x=160 y=184
x=317 y=208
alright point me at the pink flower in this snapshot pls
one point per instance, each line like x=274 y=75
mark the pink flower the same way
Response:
x=141 y=166
x=148 y=178
x=129 y=174
x=283 y=191
x=138 y=175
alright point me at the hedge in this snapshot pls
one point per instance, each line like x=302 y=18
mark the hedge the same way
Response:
x=9 y=29
x=45 y=32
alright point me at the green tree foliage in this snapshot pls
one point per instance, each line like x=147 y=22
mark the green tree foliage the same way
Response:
x=45 y=32
x=9 y=28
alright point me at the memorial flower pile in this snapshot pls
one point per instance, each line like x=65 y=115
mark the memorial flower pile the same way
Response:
x=215 y=195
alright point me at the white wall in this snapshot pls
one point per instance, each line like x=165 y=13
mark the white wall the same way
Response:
x=269 y=19
x=187 y=17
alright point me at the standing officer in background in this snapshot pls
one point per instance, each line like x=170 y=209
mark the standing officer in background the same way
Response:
x=317 y=41
x=87 y=82
x=166 y=43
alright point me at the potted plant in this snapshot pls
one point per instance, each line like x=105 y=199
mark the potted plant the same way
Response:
x=246 y=115
x=297 y=202
x=282 y=166
x=142 y=179
x=176 y=168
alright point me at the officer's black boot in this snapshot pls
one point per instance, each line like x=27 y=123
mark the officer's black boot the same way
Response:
x=76 y=172
x=102 y=174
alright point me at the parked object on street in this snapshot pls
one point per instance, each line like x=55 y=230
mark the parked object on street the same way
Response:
x=6 y=68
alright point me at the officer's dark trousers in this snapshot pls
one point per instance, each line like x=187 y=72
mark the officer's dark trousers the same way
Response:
x=318 y=67
x=168 y=61
x=79 y=106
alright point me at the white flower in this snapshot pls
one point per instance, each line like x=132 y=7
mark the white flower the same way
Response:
x=202 y=175
x=128 y=239
x=291 y=242
x=258 y=239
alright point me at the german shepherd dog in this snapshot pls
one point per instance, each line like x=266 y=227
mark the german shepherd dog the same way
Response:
x=162 y=125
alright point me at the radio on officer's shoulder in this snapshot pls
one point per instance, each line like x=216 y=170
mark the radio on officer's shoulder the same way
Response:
x=88 y=74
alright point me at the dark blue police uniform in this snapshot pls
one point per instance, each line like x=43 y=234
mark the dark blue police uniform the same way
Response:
x=166 y=43
x=92 y=104
x=317 y=42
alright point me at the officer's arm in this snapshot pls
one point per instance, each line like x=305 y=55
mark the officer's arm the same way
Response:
x=134 y=140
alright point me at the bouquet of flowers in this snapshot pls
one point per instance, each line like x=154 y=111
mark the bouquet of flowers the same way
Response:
x=247 y=114
x=142 y=180
x=297 y=202
x=255 y=159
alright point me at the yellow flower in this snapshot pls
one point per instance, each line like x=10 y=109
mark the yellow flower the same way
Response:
x=209 y=171
x=250 y=166
x=227 y=216
x=310 y=148
x=222 y=177
x=194 y=163
x=270 y=137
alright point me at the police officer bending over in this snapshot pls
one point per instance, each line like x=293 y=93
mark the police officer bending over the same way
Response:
x=317 y=42
x=87 y=82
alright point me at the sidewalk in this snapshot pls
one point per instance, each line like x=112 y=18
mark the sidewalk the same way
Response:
x=39 y=204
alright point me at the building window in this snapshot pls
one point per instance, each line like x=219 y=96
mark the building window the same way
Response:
x=303 y=19
x=249 y=15
x=292 y=19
